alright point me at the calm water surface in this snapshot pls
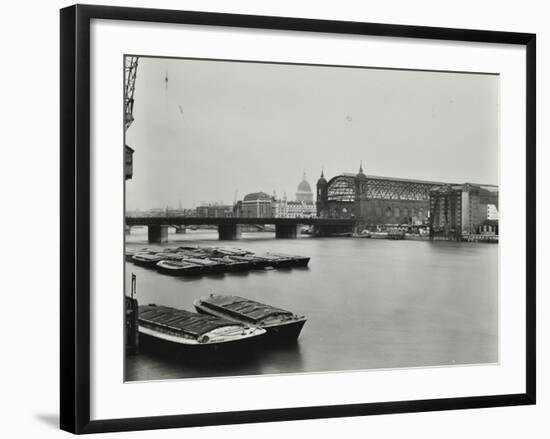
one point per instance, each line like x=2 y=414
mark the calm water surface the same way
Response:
x=369 y=303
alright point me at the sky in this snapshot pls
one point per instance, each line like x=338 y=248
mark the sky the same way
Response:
x=217 y=130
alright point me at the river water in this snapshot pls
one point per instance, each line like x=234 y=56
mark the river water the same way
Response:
x=370 y=303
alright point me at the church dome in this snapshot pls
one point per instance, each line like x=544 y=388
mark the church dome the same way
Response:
x=304 y=186
x=304 y=193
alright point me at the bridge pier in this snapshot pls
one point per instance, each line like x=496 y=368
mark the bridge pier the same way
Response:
x=229 y=232
x=157 y=234
x=287 y=231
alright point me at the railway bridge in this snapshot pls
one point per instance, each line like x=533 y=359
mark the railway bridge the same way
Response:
x=229 y=228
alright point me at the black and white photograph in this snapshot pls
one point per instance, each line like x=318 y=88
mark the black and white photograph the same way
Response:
x=296 y=218
x=275 y=219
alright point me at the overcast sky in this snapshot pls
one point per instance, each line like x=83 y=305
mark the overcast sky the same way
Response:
x=216 y=128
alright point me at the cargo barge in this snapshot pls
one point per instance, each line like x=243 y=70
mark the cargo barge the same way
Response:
x=188 y=331
x=180 y=261
x=296 y=261
x=179 y=268
x=280 y=324
x=147 y=260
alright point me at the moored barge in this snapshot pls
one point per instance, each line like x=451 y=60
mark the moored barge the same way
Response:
x=148 y=260
x=199 y=333
x=179 y=268
x=207 y=265
x=211 y=259
x=280 y=324
x=275 y=261
x=296 y=261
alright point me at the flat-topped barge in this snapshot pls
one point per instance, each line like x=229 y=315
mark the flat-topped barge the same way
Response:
x=181 y=329
x=280 y=324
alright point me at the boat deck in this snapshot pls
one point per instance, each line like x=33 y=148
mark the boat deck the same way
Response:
x=180 y=321
x=240 y=307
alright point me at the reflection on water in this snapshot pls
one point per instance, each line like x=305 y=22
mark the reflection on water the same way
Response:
x=369 y=304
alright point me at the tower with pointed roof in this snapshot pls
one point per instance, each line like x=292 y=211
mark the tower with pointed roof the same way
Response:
x=360 y=174
x=322 y=193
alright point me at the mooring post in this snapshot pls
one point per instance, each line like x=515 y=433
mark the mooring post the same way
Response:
x=132 y=330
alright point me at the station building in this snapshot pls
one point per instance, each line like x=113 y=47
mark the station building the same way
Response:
x=375 y=201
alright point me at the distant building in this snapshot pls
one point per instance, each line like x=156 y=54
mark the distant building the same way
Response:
x=262 y=205
x=304 y=193
x=377 y=201
x=158 y=211
x=492 y=212
x=279 y=206
x=374 y=201
x=462 y=209
x=300 y=209
x=255 y=205
x=214 y=210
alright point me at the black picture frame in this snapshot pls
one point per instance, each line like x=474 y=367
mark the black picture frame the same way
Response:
x=75 y=217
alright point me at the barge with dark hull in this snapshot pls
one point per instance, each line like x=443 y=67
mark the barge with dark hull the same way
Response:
x=275 y=261
x=212 y=260
x=181 y=330
x=230 y=264
x=179 y=268
x=208 y=266
x=296 y=261
x=147 y=260
x=280 y=324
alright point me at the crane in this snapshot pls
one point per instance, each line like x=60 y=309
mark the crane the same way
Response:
x=130 y=70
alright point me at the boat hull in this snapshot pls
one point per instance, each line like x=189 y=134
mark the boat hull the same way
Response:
x=145 y=263
x=284 y=332
x=180 y=272
x=291 y=260
x=149 y=341
x=281 y=332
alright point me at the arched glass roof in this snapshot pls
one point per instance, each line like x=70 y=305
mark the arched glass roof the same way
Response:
x=341 y=188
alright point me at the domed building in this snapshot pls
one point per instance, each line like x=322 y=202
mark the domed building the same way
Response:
x=262 y=205
x=304 y=192
x=257 y=205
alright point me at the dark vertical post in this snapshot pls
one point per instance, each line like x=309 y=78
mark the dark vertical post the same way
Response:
x=132 y=332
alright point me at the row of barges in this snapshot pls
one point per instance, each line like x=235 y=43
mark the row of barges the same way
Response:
x=196 y=261
x=222 y=322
